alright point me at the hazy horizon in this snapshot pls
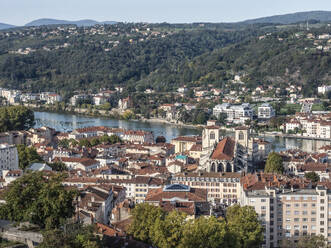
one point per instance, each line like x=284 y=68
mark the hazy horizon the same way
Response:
x=20 y=12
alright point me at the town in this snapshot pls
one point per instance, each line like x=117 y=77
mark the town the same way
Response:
x=115 y=169
x=166 y=135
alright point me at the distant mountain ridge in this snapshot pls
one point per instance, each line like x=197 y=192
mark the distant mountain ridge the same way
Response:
x=47 y=21
x=293 y=17
x=6 y=26
x=281 y=19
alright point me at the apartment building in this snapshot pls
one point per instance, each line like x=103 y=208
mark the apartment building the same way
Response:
x=221 y=187
x=8 y=157
x=288 y=208
x=237 y=114
x=137 y=187
x=266 y=111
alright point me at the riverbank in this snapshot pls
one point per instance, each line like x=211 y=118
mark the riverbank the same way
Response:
x=115 y=115
x=292 y=136
x=112 y=114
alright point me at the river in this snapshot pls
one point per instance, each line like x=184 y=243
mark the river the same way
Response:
x=68 y=122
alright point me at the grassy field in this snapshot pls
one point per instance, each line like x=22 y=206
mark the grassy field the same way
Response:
x=318 y=107
x=291 y=108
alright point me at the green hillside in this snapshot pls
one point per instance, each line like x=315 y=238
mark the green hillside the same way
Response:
x=163 y=56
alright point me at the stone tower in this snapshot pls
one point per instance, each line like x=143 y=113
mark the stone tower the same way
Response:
x=242 y=136
x=210 y=137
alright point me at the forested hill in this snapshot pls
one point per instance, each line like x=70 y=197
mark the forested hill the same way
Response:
x=162 y=56
x=294 y=17
x=278 y=59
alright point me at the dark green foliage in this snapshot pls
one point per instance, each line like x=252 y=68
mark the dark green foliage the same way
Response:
x=58 y=166
x=243 y=223
x=169 y=230
x=274 y=164
x=15 y=118
x=39 y=200
x=78 y=236
x=313 y=176
x=27 y=156
x=310 y=241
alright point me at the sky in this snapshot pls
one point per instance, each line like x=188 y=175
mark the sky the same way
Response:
x=20 y=12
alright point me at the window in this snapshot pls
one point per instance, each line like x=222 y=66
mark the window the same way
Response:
x=313 y=205
x=313 y=212
x=313 y=227
x=305 y=198
x=241 y=135
x=313 y=219
x=304 y=227
x=296 y=227
x=297 y=198
x=288 y=198
x=313 y=198
x=288 y=205
x=322 y=201
x=304 y=205
x=288 y=220
x=304 y=212
x=304 y=219
x=263 y=207
x=263 y=200
x=296 y=205
x=288 y=212
x=296 y=212
x=296 y=219
x=288 y=227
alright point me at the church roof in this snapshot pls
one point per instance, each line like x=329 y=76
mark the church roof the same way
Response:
x=224 y=150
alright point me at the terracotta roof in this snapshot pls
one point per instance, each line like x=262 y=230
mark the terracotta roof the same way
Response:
x=109 y=231
x=84 y=161
x=188 y=138
x=224 y=149
x=194 y=195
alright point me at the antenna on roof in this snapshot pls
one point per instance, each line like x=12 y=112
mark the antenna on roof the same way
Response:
x=307 y=24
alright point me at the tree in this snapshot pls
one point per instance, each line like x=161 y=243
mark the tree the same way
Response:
x=313 y=176
x=160 y=139
x=274 y=164
x=16 y=118
x=167 y=232
x=64 y=143
x=41 y=200
x=84 y=142
x=78 y=236
x=95 y=142
x=244 y=224
x=312 y=241
x=27 y=156
x=58 y=166
x=222 y=118
x=207 y=232
x=144 y=216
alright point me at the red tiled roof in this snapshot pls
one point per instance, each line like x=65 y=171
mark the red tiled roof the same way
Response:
x=224 y=149
x=194 y=195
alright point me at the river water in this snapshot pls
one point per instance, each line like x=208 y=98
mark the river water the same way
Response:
x=68 y=122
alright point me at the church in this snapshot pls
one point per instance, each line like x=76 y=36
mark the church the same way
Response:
x=227 y=154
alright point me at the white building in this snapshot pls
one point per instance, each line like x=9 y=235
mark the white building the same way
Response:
x=53 y=98
x=237 y=114
x=324 y=89
x=266 y=111
x=8 y=157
